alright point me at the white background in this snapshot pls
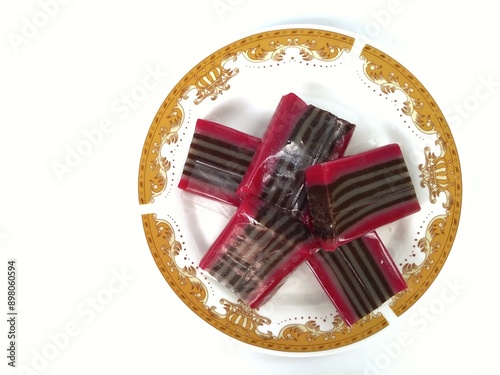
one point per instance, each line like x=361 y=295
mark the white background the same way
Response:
x=65 y=69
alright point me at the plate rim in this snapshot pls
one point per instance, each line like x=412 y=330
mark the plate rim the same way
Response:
x=427 y=271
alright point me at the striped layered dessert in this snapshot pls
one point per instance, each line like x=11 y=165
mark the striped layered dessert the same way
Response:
x=298 y=136
x=357 y=194
x=217 y=160
x=358 y=277
x=257 y=251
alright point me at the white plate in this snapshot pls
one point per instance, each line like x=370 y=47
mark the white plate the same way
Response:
x=240 y=86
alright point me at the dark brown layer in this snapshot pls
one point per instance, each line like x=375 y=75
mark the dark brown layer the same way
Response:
x=225 y=157
x=314 y=139
x=215 y=167
x=358 y=196
x=263 y=246
x=358 y=275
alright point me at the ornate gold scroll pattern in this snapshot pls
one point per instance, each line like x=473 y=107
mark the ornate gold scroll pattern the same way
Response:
x=428 y=245
x=311 y=330
x=212 y=81
x=309 y=49
x=244 y=319
x=413 y=273
x=186 y=277
x=159 y=165
x=435 y=174
x=392 y=77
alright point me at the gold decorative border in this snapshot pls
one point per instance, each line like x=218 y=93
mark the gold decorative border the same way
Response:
x=440 y=174
x=309 y=49
x=210 y=78
x=239 y=321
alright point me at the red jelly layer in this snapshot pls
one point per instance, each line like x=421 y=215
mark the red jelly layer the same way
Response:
x=357 y=194
x=218 y=158
x=358 y=277
x=257 y=251
x=298 y=136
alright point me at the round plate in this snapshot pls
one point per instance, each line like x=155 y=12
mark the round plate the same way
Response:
x=240 y=86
